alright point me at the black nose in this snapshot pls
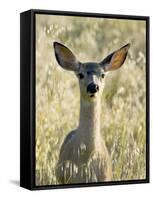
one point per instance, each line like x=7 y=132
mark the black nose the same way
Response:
x=92 y=88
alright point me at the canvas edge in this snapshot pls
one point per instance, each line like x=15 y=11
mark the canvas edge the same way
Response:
x=26 y=133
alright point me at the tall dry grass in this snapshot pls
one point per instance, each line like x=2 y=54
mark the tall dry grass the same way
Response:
x=123 y=101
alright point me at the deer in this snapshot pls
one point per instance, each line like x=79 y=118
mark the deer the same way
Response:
x=84 y=156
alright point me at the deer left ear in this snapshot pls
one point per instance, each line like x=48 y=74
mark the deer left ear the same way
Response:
x=116 y=59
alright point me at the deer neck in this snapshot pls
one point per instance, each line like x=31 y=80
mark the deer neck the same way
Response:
x=89 y=124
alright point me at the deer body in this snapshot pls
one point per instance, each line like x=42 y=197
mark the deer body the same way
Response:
x=84 y=156
x=86 y=159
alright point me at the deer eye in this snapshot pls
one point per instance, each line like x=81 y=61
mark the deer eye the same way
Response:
x=80 y=75
x=103 y=75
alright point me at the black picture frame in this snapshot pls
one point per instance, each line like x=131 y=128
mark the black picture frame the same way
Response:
x=27 y=98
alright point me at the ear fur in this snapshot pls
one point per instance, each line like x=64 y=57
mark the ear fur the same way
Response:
x=116 y=59
x=65 y=57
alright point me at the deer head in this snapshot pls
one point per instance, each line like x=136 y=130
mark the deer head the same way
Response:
x=91 y=75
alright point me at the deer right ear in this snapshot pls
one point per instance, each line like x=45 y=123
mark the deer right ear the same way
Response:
x=65 y=57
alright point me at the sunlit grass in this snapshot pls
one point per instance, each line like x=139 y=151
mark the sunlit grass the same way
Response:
x=123 y=100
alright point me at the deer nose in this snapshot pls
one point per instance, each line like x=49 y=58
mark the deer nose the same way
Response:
x=92 y=88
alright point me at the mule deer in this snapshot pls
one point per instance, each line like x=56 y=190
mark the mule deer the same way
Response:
x=84 y=156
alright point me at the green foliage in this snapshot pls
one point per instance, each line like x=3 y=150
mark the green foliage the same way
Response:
x=123 y=100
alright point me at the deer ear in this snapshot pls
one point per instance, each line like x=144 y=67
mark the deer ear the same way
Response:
x=116 y=59
x=65 y=57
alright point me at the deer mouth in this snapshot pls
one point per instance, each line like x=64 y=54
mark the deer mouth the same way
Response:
x=92 y=95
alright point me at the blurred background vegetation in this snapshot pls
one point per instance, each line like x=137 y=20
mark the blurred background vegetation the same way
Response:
x=123 y=101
